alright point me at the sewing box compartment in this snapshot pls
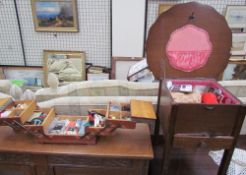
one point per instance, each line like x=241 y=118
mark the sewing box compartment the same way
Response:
x=15 y=112
x=48 y=127
x=202 y=107
x=87 y=129
x=39 y=119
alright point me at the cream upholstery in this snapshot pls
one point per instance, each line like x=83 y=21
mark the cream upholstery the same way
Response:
x=77 y=98
x=99 y=88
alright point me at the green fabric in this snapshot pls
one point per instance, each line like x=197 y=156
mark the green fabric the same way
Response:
x=18 y=82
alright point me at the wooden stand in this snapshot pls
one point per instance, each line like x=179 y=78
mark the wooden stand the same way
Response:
x=193 y=125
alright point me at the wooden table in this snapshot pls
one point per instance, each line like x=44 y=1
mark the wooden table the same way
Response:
x=126 y=152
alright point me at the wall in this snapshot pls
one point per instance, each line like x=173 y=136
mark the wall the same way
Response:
x=93 y=36
x=10 y=43
x=128 y=20
x=219 y=5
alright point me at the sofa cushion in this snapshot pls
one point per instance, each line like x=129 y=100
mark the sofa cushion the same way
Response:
x=99 y=88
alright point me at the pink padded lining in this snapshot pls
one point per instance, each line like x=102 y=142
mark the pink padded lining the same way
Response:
x=188 y=48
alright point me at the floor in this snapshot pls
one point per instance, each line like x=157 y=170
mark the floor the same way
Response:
x=189 y=162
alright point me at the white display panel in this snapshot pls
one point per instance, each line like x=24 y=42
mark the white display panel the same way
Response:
x=128 y=20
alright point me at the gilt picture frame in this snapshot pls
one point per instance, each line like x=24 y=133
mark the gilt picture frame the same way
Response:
x=236 y=16
x=163 y=7
x=238 y=44
x=68 y=66
x=235 y=70
x=55 y=15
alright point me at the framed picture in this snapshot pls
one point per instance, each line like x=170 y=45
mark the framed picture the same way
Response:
x=69 y=66
x=235 y=71
x=2 y=76
x=236 y=16
x=238 y=44
x=32 y=76
x=164 y=7
x=55 y=15
x=121 y=66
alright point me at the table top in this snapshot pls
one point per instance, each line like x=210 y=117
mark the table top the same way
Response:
x=142 y=109
x=123 y=143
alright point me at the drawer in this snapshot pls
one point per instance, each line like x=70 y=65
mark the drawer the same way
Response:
x=59 y=170
x=196 y=141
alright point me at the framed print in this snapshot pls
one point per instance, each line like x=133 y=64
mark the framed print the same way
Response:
x=69 y=66
x=121 y=66
x=55 y=15
x=164 y=7
x=238 y=44
x=2 y=76
x=235 y=71
x=236 y=16
x=32 y=76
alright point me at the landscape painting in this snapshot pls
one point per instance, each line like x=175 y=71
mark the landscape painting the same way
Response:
x=55 y=15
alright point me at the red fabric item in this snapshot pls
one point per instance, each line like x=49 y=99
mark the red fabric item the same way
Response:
x=91 y=118
x=209 y=98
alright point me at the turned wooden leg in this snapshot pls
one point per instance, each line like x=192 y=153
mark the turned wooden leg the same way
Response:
x=225 y=162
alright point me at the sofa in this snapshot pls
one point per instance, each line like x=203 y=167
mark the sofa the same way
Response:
x=99 y=88
x=77 y=98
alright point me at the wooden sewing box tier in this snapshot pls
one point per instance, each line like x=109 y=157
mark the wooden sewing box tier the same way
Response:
x=190 y=45
x=19 y=111
x=120 y=118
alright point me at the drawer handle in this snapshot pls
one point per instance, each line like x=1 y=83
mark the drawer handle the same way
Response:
x=202 y=144
x=209 y=107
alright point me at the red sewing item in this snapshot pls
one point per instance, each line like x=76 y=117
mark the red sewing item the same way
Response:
x=209 y=98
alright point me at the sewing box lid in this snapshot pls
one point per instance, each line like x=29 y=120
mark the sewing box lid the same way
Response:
x=187 y=41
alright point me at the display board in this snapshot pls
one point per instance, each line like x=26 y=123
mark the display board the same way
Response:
x=219 y=5
x=10 y=45
x=93 y=36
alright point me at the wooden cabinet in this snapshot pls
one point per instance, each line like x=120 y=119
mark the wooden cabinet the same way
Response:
x=117 y=154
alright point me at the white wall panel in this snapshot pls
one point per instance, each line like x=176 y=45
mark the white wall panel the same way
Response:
x=128 y=19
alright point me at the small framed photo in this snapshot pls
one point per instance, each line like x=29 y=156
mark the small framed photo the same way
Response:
x=164 y=7
x=121 y=66
x=55 y=15
x=238 y=44
x=236 y=16
x=69 y=66
x=235 y=71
